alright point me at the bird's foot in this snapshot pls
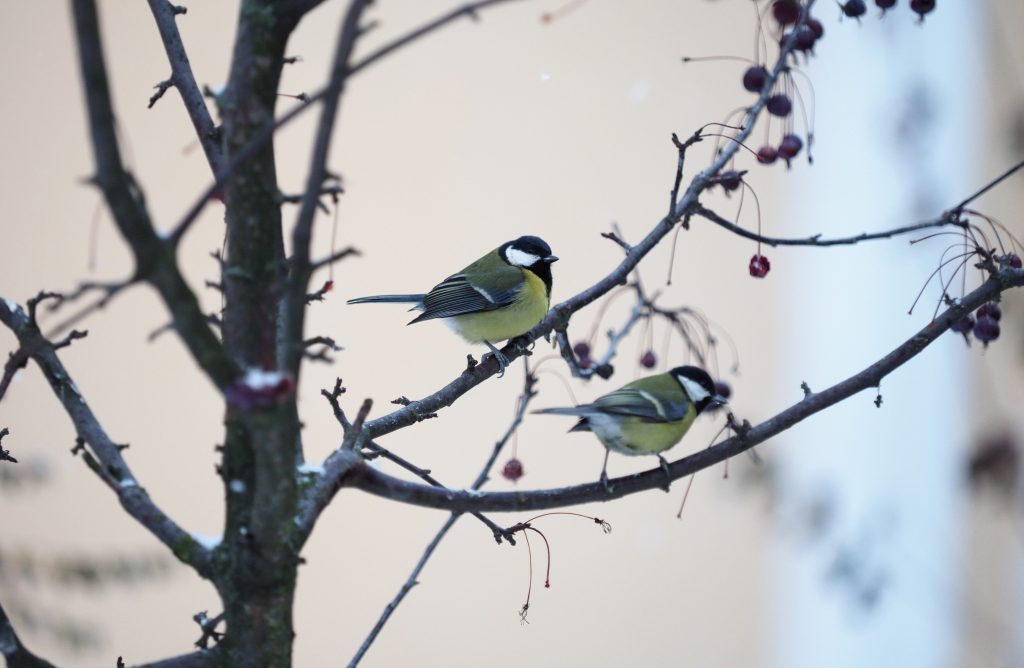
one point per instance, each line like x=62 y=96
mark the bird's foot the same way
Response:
x=668 y=476
x=608 y=487
x=503 y=361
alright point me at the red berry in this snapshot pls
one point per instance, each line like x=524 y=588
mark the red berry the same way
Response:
x=805 y=38
x=885 y=4
x=730 y=180
x=513 y=470
x=759 y=266
x=854 y=8
x=922 y=7
x=964 y=325
x=779 y=105
x=986 y=329
x=786 y=11
x=990 y=310
x=790 y=146
x=754 y=78
x=1013 y=260
x=816 y=26
x=648 y=360
x=766 y=155
x=581 y=348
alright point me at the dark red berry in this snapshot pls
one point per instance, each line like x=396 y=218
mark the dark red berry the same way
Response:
x=779 y=105
x=805 y=38
x=922 y=7
x=754 y=78
x=513 y=470
x=730 y=180
x=648 y=360
x=790 y=147
x=759 y=266
x=986 y=329
x=1013 y=260
x=786 y=11
x=816 y=26
x=854 y=8
x=990 y=310
x=766 y=155
x=964 y=325
x=885 y=4
x=581 y=348
x=604 y=370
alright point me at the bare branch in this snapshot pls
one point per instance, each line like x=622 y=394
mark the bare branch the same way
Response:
x=468 y=10
x=816 y=240
x=295 y=298
x=5 y=455
x=524 y=399
x=14 y=651
x=154 y=257
x=183 y=79
x=109 y=463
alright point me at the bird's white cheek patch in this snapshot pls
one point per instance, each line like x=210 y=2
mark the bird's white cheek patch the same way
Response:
x=520 y=258
x=694 y=390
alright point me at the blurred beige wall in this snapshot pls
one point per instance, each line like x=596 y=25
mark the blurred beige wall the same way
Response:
x=480 y=133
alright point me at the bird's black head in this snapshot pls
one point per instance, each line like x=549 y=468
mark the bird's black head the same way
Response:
x=531 y=253
x=697 y=385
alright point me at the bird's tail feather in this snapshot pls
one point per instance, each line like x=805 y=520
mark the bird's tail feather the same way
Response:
x=566 y=410
x=388 y=299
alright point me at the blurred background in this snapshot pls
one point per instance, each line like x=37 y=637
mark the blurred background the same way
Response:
x=867 y=536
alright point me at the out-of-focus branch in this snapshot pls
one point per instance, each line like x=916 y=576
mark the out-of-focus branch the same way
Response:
x=468 y=10
x=183 y=79
x=365 y=478
x=154 y=257
x=105 y=456
x=294 y=306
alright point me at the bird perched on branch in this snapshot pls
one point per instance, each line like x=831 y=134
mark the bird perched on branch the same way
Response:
x=498 y=297
x=647 y=416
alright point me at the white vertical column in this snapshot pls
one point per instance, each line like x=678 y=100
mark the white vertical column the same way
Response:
x=866 y=562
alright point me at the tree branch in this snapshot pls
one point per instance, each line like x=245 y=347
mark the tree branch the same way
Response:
x=468 y=10
x=154 y=258
x=948 y=218
x=111 y=466
x=204 y=658
x=363 y=477
x=13 y=650
x=184 y=80
x=524 y=399
x=294 y=306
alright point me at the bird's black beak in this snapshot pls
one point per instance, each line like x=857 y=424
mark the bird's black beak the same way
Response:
x=551 y=258
x=718 y=400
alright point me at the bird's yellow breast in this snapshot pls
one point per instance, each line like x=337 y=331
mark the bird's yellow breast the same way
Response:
x=636 y=436
x=529 y=308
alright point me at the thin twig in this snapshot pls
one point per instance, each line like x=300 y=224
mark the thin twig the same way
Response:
x=816 y=239
x=524 y=399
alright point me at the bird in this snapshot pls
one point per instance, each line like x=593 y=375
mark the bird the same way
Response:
x=500 y=296
x=647 y=416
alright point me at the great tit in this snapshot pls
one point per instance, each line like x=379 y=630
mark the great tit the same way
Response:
x=647 y=416
x=500 y=296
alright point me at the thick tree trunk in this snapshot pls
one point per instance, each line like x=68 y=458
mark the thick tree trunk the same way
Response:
x=256 y=577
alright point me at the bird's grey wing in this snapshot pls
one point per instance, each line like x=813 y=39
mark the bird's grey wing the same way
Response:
x=629 y=401
x=455 y=295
